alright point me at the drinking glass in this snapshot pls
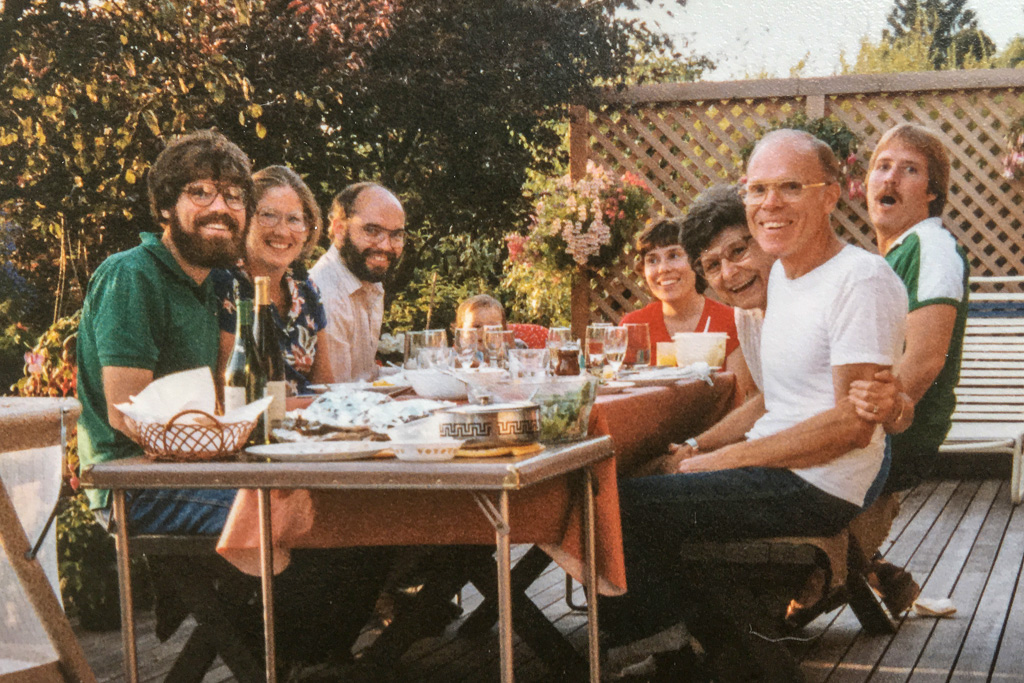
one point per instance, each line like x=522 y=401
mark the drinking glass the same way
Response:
x=414 y=341
x=558 y=337
x=615 y=342
x=435 y=339
x=529 y=365
x=434 y=357
x=594 y=345
x=467 y=343
x=494 y=345
x=638 y=349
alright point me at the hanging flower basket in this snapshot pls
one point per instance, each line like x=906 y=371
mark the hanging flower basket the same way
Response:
x=585 y=223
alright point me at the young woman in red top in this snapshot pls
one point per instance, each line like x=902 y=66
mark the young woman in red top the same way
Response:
x=679 y=304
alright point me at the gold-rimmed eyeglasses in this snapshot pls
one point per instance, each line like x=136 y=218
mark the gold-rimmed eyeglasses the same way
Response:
x=787 y=190
x=295 y=222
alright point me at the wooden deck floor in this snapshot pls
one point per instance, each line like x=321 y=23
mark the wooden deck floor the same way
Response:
x=961 y=539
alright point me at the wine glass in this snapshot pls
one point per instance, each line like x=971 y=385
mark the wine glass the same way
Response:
x=616 y=340
x=638 y=349
x=414 y=341
x=494 y=344
x=557 y=338
x=467 y=343
x=594 y=345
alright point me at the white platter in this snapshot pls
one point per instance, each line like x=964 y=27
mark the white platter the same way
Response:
x=387 y=390
x=660 y=377
x=613 y=387
x=318 y=451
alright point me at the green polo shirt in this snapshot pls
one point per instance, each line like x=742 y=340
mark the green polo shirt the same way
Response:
x=141 y=311
x=934 y=270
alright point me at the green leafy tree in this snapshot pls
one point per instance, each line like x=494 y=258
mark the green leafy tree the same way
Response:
x=956 y=40
x=447 y=101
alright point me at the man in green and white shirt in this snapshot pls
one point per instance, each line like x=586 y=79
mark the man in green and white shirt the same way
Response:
x=908 y=179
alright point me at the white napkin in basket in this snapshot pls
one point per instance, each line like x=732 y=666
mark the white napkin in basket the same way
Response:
x=164 y=398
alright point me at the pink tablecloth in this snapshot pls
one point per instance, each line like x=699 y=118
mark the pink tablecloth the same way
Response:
x=641 y=423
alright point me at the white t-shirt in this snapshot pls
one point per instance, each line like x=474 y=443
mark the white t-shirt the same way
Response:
x=851 y=309
x=355 y=311
x=748 y=331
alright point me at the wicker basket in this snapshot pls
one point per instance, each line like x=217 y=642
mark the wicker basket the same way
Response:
x=190 y=442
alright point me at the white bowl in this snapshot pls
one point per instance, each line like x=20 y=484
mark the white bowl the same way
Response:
x=436 y=384
x=425 y=451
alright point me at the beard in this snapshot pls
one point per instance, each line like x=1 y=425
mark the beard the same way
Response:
x=206 y=252
x=356 y=261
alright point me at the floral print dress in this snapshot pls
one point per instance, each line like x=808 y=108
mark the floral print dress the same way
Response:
x=297 y=329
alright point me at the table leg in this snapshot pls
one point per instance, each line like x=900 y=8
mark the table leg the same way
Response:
x=590 y=574
x=267 y=582
x=124 y=580
x=505 y=592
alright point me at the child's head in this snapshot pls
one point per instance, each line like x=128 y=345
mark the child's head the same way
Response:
x=479 y=311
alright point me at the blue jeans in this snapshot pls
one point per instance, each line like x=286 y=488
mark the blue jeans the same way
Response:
x=660 y=513
x=178 y=511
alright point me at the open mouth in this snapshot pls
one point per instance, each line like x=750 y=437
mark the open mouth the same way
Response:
x=887 y=200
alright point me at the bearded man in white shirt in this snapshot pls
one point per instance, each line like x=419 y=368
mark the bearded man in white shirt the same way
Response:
x=367 y=226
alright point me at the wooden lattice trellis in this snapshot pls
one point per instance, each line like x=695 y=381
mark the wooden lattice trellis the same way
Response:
x=685 y=137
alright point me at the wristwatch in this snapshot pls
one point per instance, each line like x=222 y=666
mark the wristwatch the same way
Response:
x=692 y=443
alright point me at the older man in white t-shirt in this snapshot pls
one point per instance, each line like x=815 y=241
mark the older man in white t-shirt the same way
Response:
x=835 y=315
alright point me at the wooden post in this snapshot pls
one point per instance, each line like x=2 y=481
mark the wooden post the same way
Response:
x=579 y=141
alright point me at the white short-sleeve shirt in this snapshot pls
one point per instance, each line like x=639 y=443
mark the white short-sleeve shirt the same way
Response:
x=851 y=309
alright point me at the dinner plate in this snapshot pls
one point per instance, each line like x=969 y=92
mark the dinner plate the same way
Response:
x=613 y=387
x=387 y=389
x=660 y=377
x=317 y=451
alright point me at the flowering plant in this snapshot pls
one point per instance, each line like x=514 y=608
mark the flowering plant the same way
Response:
x=583 y=223
x=1013 y=162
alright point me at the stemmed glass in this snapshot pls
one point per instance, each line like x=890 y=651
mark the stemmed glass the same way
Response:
x=615 y=341
x=594 y=345
x=557 y=338
x=467 y=343
x=494 y=344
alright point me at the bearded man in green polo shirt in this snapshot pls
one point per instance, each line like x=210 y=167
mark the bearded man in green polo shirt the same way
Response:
x=150 y=311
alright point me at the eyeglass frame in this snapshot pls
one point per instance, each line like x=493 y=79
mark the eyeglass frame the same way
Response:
x=698 y=264
x=377 y=234
x=305 y=225
x=777 y=186
x=235 y=204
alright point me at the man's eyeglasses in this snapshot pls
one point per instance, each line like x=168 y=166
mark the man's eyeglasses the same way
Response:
x=787 y=190
x=377 y=234
x=710 y=264
x=202 y=194
x=295 y=222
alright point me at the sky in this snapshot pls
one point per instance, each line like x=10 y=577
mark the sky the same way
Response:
x=747 y=37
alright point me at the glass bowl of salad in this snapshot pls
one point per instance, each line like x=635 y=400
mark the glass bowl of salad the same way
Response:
x=565 y=404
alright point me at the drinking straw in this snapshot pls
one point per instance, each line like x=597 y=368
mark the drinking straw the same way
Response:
x=707 y=324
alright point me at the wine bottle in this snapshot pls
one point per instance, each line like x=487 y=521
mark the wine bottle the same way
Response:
x=271 y=360
x=241 y=376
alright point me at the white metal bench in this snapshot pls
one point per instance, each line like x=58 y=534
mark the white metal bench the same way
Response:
x=989 y=416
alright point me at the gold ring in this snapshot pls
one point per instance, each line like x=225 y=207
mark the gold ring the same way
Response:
x=874 y=409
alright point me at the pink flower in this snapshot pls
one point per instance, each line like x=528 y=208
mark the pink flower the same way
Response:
x=34 y=362
x=855 y=188
x=515 y=244
x=630 y=178
x=851 y=160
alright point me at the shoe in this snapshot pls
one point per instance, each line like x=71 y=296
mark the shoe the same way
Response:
x=896 y=586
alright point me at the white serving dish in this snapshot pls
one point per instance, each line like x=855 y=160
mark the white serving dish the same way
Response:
x=425 y=451
x=436 y=384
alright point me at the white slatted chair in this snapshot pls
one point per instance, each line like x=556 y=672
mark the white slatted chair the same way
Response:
x=36 y=641
x=989 y=416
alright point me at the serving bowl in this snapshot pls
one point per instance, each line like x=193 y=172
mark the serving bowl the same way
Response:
x=498 y=424
x=436 y=384
x=425 y=451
